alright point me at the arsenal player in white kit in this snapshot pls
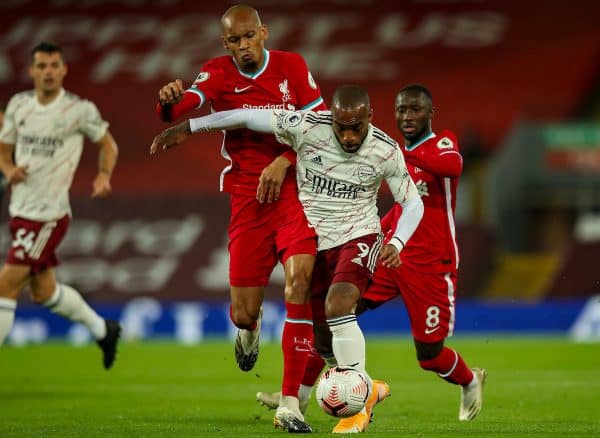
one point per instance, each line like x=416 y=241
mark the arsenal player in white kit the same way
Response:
x=44 y=129
x=341 y=162
x=426 y=279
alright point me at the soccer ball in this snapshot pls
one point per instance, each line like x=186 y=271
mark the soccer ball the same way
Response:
x=343 y=392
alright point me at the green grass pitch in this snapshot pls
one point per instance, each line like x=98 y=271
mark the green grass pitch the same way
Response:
x=546 y=387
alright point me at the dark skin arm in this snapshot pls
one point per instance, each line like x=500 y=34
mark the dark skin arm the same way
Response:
x=170 y=137
x=271 y=179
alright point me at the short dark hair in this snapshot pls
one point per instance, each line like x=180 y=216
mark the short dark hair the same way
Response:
x=47 y=47
x=347 y=96
x=417 y=88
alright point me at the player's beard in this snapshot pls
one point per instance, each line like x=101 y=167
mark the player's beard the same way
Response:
x=413 y=136
x=250 y=66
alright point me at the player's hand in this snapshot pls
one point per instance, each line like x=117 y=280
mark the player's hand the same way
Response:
x=389 y=256
x=171 y=93
x=16 y=174
x=271 y=179
x=171 y=137
x=102 y=187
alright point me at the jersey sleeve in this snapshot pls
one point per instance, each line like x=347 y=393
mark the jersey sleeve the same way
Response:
x=442 y=158
x=205 y=88
x=396 y=174
x=8 y=134
x=389 y=221
x=91 y=124
x=289 y=127
x=307 y=90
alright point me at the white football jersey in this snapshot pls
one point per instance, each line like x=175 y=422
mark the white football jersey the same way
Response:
x=48 y=140
x=338 y=190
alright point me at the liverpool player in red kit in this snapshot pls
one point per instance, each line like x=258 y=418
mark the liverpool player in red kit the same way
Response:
x=426 y=279
x=260 y=234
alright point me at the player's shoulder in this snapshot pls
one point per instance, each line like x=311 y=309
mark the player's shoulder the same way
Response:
x=444 y=139
x=74 y=98
x=287 y=55
x=383 y=138
x=214 y=70
x=291 y=60
x=219 y=63
x=71 y=99
x=318 y=117
x=20 y=98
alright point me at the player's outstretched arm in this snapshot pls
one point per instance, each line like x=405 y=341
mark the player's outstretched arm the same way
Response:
x=256 y=120
x=107 y=159
x=171 y=137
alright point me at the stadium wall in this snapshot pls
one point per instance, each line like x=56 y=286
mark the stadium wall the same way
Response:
x=192 y=322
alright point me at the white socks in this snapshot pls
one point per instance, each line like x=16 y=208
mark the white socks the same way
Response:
x=292 y=404
x=304 y=392
x=473 y=382
x=348 y=342
x=67 y=302
x=7 y=317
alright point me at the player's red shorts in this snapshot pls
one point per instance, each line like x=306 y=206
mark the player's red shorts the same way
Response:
x=428 y=297
x=262 y=234
x=353 y=262
x=34 y=243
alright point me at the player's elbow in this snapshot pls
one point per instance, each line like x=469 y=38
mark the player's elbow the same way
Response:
x=454 y=165
x=415 y=205
x=456 y=169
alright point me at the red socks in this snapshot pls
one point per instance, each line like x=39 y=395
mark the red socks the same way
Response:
x=313 y=368
x=296 y=344
x=449 y=366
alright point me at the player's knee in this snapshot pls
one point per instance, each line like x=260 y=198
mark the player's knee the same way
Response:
x=427 y=352
x=339 y=304
x=298 y=289
x=40 y=295
x=242 y=319
x=39 y=298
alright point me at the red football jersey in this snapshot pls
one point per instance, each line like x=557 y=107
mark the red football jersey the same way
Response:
x=283 y=82
x=435 y=165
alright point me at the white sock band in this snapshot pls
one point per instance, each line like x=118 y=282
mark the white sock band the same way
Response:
x=347 y=341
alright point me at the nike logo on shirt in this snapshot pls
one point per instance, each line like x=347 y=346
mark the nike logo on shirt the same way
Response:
x=430 y=331
x=241 y=90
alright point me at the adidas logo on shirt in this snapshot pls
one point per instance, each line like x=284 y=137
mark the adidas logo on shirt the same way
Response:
x=317 y=160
